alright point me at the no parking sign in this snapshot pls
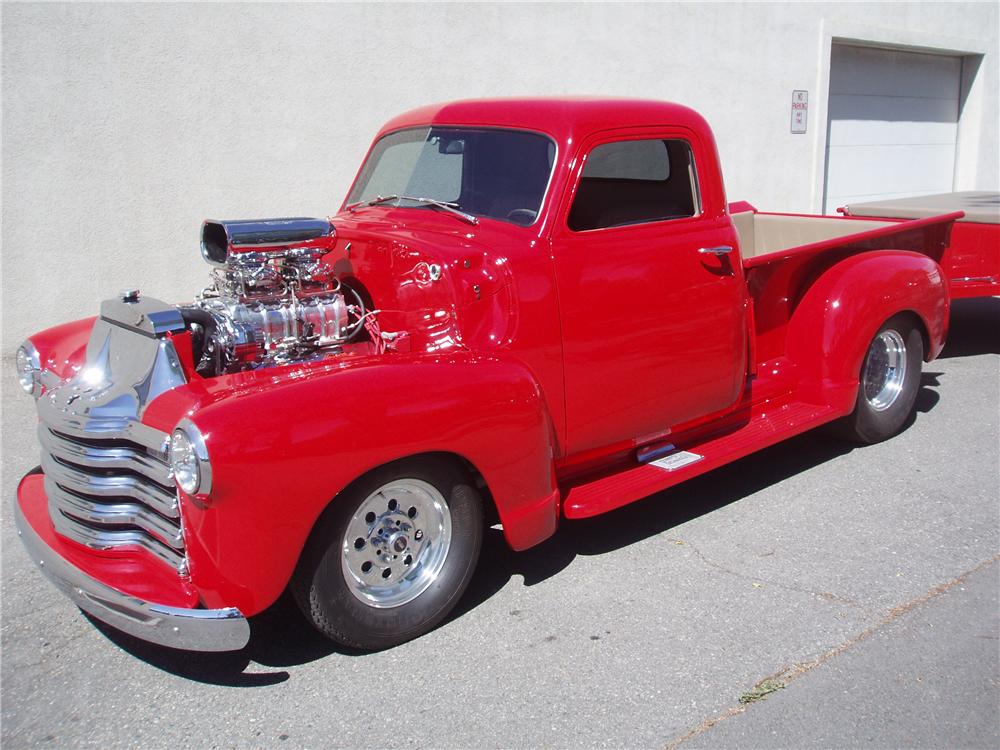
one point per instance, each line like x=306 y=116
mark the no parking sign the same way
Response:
x=800 y=111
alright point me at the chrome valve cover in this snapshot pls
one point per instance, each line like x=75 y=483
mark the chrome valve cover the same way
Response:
x=267 y=307
x=319 y=320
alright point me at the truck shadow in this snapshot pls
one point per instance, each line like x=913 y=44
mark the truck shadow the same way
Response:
x=648 y=517
x=665 y=510
x=281 y=637
x=974 y=328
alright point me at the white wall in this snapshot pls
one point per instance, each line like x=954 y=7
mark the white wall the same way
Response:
x=125 y=125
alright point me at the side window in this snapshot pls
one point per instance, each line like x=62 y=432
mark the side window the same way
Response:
x=635 y=182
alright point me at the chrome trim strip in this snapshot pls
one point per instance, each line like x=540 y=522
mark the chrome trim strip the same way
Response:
x=191 y=629
x=119 y=485
x=123 y=428
x=975 y=279
x=100 y=457
x=117 y=514
x=103 y=541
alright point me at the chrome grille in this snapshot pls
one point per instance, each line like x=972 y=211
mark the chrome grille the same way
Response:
x=111 y=493
x=107 y=475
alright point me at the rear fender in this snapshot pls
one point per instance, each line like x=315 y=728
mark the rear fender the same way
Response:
x=280 y=453
x=838 y=315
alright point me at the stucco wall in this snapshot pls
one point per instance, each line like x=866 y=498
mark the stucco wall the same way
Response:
x=125 y=125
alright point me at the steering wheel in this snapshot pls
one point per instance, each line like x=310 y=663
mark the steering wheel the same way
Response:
x=522 y=216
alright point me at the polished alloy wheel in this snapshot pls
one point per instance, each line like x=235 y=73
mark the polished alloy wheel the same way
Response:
x=396 y=543
x=885 y=370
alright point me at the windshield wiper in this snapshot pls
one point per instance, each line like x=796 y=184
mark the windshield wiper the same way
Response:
x=378 y=199
x=451 y=208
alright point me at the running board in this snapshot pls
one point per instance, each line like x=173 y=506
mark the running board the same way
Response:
x=667 y=466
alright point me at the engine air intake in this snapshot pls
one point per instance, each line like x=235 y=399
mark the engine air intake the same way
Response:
x=219 y=239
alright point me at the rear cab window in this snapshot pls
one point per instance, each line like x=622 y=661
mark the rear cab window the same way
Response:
x=635 y=182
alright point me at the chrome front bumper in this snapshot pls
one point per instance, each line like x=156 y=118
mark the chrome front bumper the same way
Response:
x=188 y=629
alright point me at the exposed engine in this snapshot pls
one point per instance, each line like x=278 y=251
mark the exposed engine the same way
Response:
x=272 y=298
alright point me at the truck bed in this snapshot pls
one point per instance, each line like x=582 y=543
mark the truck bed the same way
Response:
x=763 y=233
x=768 y=237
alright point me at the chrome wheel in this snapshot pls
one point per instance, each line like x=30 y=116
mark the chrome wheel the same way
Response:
x=885 y=370
x=396 y=543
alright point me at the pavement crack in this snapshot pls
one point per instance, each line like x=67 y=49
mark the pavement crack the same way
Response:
x=825 y=595
x=793 y=672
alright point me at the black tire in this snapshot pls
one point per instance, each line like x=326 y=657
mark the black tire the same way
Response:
x=881 y=408
x=330 y=586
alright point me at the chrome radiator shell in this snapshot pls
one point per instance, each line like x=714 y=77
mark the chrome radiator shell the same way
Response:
x=107 y=475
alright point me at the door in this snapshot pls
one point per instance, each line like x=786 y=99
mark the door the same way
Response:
x=651 y=293
x=893 y=124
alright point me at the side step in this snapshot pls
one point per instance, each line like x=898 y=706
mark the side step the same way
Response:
x=769 y=426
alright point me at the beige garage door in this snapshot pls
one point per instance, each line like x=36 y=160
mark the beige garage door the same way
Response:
x=893 y=124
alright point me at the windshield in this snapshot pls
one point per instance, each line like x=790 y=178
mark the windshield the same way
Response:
x=501 y=174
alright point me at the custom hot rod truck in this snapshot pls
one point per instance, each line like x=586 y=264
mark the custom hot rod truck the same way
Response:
x=525 y=310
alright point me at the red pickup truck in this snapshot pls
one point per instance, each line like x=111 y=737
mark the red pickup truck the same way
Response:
x=524 y=311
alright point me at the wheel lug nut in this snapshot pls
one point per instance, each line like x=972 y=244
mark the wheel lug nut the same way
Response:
x=419 y=535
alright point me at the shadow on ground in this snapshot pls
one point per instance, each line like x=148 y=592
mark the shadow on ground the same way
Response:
x=974 y=328
x=281 y=637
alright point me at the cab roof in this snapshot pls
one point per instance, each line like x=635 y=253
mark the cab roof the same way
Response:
x=562 y=118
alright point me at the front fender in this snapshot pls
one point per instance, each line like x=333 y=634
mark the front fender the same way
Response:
x=283 y=449
x=62 y=349
x=838 y=315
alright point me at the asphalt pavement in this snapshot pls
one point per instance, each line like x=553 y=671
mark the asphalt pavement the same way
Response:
x=811 y=595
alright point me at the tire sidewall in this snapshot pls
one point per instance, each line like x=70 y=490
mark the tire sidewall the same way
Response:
x=872 y=425
x=323 y=590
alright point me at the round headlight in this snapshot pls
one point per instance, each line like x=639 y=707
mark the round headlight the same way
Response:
x=189 y=459
x=29 y=369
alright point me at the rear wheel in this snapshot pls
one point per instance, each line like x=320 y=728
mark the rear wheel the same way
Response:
x=889 y=380
x=390 y=558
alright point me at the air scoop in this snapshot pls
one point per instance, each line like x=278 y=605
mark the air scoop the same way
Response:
x=220 y=239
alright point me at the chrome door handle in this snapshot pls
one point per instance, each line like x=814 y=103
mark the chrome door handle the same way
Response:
x=720 y=250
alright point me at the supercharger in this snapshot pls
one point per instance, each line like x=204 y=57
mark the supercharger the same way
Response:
x=270 y=302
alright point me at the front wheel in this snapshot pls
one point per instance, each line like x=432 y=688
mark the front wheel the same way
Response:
x=889 y=380
x=391 y=557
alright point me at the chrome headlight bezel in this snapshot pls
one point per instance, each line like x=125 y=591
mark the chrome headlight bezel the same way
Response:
x=28 y=364
x=189 y=462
